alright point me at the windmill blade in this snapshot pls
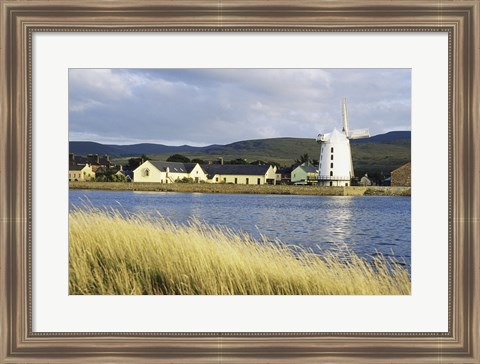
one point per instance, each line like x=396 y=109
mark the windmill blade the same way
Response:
x=358 y=134
x=345 y=116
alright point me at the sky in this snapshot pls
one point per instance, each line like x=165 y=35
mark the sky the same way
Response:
x=200 y=107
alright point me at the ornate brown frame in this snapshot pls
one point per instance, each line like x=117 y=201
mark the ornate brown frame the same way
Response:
x=19 y=19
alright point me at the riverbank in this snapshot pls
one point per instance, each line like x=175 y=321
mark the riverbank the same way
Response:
x=244 y=189
x=140 y=255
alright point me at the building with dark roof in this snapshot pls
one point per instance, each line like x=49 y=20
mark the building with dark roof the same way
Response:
x=168 y=172
x=94 y=160
x=240 y=173
x=305 y=173
x=80 y=173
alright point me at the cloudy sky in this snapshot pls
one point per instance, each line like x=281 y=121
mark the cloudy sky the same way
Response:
x=220 y=106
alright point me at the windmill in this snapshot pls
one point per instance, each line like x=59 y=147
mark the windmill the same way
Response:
x=335 y=163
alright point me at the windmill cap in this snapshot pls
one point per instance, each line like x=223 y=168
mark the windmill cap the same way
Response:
x=337 y=136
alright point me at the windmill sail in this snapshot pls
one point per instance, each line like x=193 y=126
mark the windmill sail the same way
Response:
x=358 y=134
x=345 y=116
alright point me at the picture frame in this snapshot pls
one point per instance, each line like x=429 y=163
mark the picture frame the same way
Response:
x=20 y=19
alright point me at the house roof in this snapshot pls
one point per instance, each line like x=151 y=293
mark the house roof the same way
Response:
x=308 y=169
x=174 y=167
x=285 y=170
x=78 y=159
x=76 y=168
x=189 y=166
x=239 y=169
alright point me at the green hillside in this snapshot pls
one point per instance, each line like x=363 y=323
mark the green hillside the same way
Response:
x=381 y=156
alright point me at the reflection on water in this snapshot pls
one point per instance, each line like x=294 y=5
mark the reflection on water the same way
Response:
x=366 y=225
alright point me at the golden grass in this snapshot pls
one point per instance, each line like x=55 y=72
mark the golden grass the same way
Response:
x=111 y=254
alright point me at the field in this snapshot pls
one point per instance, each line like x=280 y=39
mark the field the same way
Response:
x=140 y=255
x=250 y=189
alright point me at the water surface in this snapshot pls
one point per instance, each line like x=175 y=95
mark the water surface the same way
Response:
x=367 y=224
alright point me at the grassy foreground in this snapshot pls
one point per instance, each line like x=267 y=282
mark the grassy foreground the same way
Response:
x=111 y=254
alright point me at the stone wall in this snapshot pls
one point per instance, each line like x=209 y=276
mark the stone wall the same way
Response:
x=402 y=176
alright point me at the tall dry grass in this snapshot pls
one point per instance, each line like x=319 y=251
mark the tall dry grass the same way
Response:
x=112 y=254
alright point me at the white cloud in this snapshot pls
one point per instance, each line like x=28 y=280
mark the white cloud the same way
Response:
x=221 y=106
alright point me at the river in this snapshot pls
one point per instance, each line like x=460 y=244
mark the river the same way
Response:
x=366 y=225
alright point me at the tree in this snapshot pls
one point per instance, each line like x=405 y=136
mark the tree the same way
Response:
x=198 y=160
x=133 y=163
x=178 y=158
x=303 y=159
x=184 y=180
x=258 y=163
x=109 y=175
x=238 y=161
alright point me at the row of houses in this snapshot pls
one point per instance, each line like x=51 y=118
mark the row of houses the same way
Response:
x=82 y=168
x=170 y=172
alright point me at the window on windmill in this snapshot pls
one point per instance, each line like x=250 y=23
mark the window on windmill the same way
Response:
x=331 y=173
x=331 y=165
x=331 y=150
x=331 y=157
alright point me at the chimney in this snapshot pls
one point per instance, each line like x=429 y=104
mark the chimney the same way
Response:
x=221 y=160
x=71 y=158
x=107 y=157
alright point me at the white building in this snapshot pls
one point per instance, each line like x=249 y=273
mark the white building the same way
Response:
x=245 y=174
x=168 y=172
x=335 y=163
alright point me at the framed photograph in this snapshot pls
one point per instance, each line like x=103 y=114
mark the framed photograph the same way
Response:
x=247 y=181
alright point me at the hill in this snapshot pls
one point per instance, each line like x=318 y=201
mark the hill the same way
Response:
x=392 y=137
x=380 y=153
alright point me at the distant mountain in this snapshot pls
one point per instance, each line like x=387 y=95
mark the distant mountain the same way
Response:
x=380 y=153
x=84 y=148
x=392 y=137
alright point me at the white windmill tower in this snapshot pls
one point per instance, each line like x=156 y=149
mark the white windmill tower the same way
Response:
x=335 y=163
